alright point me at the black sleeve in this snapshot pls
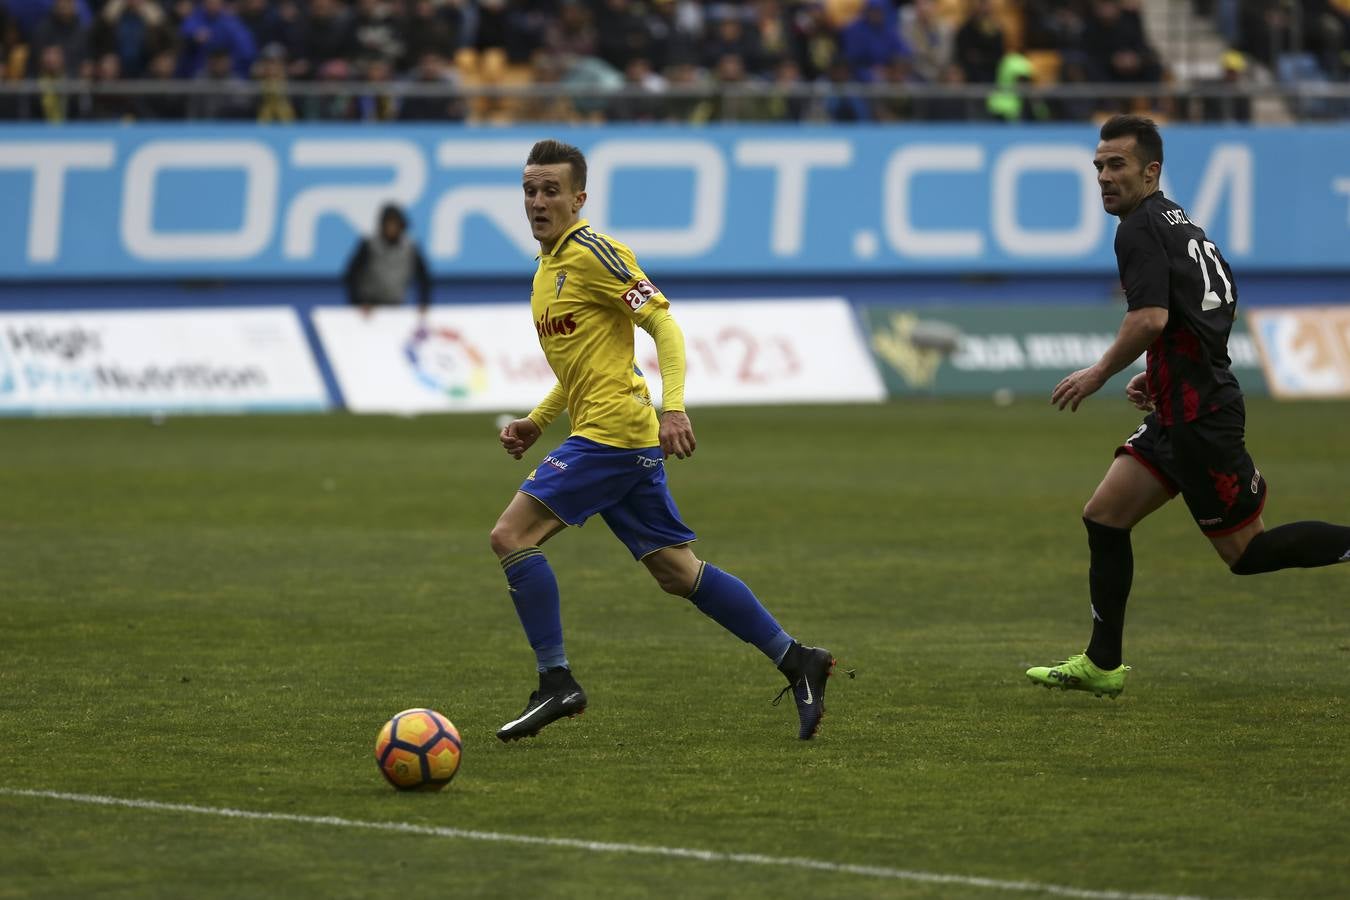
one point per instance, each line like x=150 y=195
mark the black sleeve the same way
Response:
x=423 y=278
x=1144 y=271
x=355 y=265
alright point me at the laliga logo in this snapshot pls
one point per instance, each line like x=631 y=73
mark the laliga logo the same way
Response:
x=445 y=362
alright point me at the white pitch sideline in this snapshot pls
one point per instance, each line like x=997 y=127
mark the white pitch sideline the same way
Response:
x=711 y=856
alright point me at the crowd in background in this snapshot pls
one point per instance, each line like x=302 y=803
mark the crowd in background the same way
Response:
x=659 y=49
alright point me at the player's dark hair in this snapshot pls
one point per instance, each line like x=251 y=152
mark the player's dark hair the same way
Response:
x=1147 y=140
x=549 y=152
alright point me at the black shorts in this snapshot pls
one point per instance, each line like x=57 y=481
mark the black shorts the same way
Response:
x=1206 y=461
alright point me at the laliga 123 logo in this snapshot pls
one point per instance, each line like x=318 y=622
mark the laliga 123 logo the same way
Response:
x=446 y=363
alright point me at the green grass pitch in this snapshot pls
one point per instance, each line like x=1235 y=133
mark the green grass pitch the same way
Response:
x=223 y=611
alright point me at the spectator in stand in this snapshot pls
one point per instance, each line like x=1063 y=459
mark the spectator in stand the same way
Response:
x=490 y=24
x=1054 y=25
x=271 y=23
x=787 y=106
x=593 y=78
x=1115 y=47
x=738 y=98
x=105 y=105
x=52 y=105
x=844 y=106
x=378 y=104
x=683 y=79
x=573 y=32
x=376 y=32
x=210 y=31
x=432 y=70
x=817 y=43
x=895 y=106
x=27 y=14
x=12 y=62
x=62 y=27
x=383 y=265
x=622 y=34
x=428 y=33
x=1266 y=30
x=328 y=38
x=871 y=42
x=979 y=44
x=775 y=37
x=228 y=97
x=336 y=105
x=526 y=23
x=1074 y=109
x=1326 y=30
x=730 y=38
x=135 y=31
x=163 y=107
x=262 y=20
x=274 y=101
x=1229 y=109
x=929 y=38
x=676 y=27
x=948 y=108
x=639 y=78
x=546 y=69
x=1006 y=101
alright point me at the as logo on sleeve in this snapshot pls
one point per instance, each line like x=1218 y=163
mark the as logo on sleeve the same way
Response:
x=638 y=295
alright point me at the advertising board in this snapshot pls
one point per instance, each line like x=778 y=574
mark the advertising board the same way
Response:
x=487 y=357
x=251 y=359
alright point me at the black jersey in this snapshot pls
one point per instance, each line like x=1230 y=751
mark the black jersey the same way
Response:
x=1165 y=260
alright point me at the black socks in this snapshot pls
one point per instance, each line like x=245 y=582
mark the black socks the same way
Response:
x=1298 y=545
x=1109 y=580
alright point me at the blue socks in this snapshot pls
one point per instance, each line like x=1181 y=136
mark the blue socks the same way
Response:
x=721 y=597
x=534 y=591
x=727 y=601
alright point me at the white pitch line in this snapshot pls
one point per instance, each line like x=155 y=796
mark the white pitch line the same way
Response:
x=713 y=856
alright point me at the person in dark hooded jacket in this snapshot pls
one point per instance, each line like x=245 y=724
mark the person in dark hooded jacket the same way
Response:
x=383 y=264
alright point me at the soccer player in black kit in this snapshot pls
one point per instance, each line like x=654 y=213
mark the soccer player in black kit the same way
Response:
x=1182 y=299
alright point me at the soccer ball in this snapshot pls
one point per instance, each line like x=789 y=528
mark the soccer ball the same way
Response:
x=418 y=750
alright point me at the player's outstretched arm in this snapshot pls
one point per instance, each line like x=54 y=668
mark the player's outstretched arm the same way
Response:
x=1140 y=329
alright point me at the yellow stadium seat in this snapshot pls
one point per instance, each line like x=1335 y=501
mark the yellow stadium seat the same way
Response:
x=1045 y=65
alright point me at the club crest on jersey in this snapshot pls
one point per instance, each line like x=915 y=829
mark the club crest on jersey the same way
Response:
x=637 y=296
x=558 y=284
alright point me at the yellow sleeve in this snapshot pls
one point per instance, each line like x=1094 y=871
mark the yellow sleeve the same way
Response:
x=661 y=325
x=549 y=408
x=613 y=267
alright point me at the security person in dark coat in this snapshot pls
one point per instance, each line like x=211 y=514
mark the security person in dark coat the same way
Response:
x=382 y=265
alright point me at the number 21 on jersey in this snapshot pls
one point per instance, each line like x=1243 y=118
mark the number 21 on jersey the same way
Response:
x=1211 y=299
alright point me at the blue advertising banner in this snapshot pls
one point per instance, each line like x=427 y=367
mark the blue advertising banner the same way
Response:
x=266 y=202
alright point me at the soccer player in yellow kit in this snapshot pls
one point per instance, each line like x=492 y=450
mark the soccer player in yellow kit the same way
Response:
x=588 y=294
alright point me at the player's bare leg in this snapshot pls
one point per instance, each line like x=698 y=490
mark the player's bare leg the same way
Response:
x=1128 y=494
x=524 y=523
x=523 y=526
x=1298 y=545
x=1230 y=547
x=726 y=599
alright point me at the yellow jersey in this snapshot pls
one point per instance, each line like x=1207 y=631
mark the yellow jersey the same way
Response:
x=588 y=294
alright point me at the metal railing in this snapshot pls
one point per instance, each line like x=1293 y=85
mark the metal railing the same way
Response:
x=740 y=102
